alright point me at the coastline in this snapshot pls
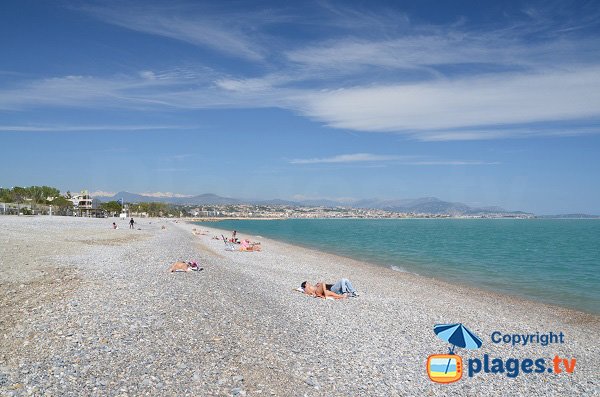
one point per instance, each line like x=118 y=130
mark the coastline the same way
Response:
x=480 y=284
x=127 y=327
x=412 y=277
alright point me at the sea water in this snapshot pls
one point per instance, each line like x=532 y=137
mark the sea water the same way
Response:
x=551 y=260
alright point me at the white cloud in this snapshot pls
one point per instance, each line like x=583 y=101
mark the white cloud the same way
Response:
x=164 y=194
x=148 y=74
x=451 y=162
x=482 y=107
x=443 y=48
x=101 y=193
x=346 y=158
x=417 y=109
x=434 y=83
x=401 y=160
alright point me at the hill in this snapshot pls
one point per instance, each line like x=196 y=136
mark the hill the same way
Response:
x=423 y=205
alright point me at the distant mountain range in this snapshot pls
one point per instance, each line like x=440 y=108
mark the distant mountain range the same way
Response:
x=425 y=205
x=202 y=199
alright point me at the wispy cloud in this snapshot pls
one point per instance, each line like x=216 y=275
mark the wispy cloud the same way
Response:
x=468 y=102
x=84 y=128
x=372 y=72
x=347 y=158
x=508 y=132
x=164 y=194
x=451 y=162
x=102 y=193
x=379 y=158
x=201 y=26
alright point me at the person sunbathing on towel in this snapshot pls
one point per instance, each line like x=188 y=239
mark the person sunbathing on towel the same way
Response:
x=342 y=287
x=185 y=267
x=247 y=246
x=320 y=291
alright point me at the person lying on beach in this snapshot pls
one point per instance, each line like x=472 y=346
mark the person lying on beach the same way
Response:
x=184 y=267
x=320 y=291
x=342 y=287
x=180 y=267
x=246 y=245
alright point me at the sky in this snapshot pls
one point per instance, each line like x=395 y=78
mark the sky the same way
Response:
x=485 y=103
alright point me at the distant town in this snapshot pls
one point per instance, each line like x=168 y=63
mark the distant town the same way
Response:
x=294 y=212
x=49 y=201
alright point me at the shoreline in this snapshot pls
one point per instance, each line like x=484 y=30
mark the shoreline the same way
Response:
x=240 y=218
x=466 y=285
x=420 y=278
x=120 y=324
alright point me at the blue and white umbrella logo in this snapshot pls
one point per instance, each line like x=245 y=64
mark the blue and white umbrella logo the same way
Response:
x=457 y=335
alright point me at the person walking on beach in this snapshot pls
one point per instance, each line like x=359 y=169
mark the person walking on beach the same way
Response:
x=131 y=222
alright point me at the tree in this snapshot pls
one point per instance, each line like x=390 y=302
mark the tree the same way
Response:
x=62 y=204
x=19 y=194
x=49 y=193
x=112 y=207
x=5 y=196
x=34 y=194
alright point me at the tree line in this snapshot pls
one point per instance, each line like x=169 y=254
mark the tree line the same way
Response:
x=152 y=208
x=44 y=195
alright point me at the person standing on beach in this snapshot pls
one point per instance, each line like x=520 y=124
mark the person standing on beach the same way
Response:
x=233 y=239
x=131 y=222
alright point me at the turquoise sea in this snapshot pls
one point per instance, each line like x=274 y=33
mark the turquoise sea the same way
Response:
x=551 y=260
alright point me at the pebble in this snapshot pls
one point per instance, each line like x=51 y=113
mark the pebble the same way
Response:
x=311 y=382
x=238 y=378
x=130 y=328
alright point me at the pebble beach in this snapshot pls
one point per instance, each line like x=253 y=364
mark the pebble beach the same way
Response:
x=91 y=311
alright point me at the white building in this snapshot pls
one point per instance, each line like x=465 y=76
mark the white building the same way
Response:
x=82 y=203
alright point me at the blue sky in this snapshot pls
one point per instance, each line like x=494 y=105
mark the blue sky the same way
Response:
x=487 y=103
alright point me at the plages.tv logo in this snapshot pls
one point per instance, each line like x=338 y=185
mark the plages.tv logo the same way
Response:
x=448 y=368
